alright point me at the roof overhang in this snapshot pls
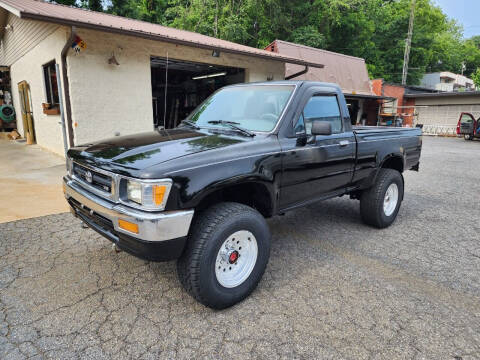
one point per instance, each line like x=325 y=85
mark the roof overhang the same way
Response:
x=367 y=96
x=443 y=94
x=83 y=22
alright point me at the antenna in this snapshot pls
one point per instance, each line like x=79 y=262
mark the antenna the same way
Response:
x=408 y=44
x=165 y=100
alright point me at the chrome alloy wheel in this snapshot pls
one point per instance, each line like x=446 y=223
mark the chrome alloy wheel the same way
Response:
x=236 y=259
x=391 y=199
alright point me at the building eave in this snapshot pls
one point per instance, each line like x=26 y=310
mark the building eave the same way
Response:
x=443 y=94
x=81 y=18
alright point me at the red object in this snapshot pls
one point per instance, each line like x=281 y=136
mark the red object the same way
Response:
x=233 y=257
x=474 y=123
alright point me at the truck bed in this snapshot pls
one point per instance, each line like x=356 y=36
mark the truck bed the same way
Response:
x=387 y=130
x=379 y=142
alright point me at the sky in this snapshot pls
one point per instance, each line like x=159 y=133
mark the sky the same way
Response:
x=466 y=12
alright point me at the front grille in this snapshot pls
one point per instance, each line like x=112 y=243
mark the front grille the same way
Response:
x=98 y=219
x=93 y=178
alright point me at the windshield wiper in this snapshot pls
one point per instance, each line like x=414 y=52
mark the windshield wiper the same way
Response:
x=190 y=123
x=234 y=126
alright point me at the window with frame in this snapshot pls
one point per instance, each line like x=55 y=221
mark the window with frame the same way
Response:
x=51 y=87
x=322 y=108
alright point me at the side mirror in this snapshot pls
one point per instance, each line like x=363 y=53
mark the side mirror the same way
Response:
x=321 y=127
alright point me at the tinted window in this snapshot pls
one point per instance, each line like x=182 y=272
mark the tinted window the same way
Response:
x=300 y=127
x=323 y=108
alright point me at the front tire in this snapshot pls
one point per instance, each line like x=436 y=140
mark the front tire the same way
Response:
x=468 y=137
x=226 y=255
x=380 y=204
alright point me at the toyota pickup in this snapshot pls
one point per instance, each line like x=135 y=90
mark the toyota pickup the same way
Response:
x=200 y=193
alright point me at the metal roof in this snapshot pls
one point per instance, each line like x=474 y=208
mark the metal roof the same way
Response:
x=349 y=72
x=367 y=96
x=71 y=16
x=443 y=94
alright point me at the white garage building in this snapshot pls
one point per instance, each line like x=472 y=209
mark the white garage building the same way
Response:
x=118 y=76
x=439 y=112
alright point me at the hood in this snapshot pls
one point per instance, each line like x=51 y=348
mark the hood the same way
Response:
x=143 y=150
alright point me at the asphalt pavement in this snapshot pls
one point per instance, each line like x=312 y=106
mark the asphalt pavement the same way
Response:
x=334 y=288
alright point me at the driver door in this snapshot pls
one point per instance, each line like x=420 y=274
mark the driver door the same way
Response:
x=466 y=124
x=317 y=166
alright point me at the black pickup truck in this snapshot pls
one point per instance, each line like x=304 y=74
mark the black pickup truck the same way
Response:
x=200 y=193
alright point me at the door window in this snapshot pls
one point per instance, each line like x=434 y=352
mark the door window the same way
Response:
x=467 y=118
x=322 y=108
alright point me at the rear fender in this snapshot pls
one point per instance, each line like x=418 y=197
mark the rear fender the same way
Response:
x=391 y=161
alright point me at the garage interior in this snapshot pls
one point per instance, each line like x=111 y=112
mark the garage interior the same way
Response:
x=180 y=86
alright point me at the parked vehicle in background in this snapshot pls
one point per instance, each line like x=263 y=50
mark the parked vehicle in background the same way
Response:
x=201 y=192
x=468 y=126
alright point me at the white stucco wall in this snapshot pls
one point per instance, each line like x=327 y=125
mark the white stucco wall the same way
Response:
x=28 y=68
x=107 y=99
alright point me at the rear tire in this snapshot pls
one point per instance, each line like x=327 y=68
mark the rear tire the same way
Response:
x=380 y=204
x=226 y=255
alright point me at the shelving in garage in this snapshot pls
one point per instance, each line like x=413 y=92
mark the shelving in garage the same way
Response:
x=180 y=86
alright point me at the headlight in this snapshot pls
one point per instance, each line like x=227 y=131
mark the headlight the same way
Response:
x=150 y=195
x=134 y=192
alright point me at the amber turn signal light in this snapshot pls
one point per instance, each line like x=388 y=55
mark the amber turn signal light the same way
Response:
x=128 y=226
x=159 y=193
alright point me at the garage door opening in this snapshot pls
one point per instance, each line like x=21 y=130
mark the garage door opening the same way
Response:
x=178 y=87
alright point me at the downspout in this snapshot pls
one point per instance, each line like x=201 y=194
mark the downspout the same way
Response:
x=66 y=87
x=304 y=71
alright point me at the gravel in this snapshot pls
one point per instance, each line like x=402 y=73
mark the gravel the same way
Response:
x=334 y=288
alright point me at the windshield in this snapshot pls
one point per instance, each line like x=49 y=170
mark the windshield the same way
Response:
x=251 y=107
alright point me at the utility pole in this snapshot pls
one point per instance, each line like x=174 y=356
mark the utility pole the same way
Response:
x=408 y=44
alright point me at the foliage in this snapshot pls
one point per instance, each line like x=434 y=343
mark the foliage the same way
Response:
x=372 y=29
x=476 y=78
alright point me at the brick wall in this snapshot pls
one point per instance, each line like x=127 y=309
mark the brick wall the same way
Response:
x=396 y=91
x=377 y=86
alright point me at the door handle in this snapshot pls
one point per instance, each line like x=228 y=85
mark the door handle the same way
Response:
x=343 y=142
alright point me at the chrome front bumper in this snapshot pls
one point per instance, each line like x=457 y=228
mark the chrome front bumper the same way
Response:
x=152 y=227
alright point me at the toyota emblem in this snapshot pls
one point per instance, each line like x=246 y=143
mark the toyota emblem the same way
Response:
x=88 y=177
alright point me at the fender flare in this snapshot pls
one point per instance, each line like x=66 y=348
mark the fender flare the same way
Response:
x=370 y=180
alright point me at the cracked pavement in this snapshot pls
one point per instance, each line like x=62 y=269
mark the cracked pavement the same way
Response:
x=334 y=288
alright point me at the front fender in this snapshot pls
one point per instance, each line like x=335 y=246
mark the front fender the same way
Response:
x=191 y=186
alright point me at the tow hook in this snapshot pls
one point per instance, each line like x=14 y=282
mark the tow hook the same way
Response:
x=116 y=248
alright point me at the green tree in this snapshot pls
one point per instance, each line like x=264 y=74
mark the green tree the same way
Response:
x=476 y=78
x=95 y=5
x=308 y=35
x=372 y=29
x=65 y=2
